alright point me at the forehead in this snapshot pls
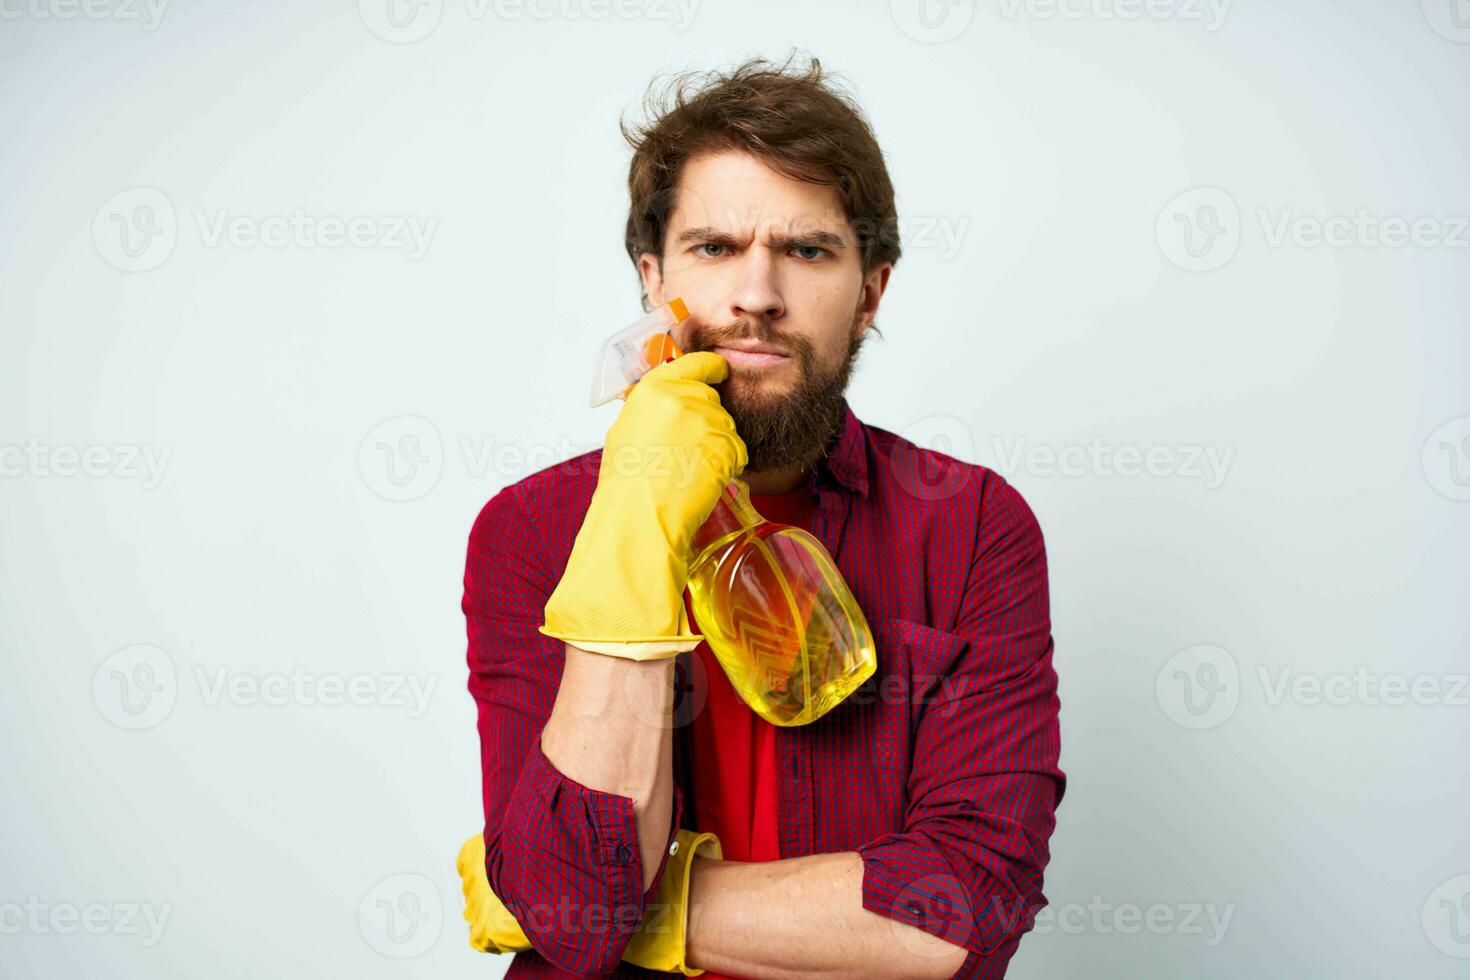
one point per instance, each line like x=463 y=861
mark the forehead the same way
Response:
x=737 y=193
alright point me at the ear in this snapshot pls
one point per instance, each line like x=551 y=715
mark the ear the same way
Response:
x=874 y=284
x=651 y=271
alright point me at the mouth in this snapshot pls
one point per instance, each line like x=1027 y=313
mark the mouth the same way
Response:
x=751 y=358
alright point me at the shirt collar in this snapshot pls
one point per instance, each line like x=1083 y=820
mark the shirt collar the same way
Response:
x=846 y=461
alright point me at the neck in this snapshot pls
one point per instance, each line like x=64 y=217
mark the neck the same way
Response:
x=774 y=481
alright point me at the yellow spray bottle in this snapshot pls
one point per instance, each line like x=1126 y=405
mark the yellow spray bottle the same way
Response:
x=770 y=601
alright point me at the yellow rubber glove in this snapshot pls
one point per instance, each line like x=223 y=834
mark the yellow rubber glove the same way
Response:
x=667 y=457
x=492 y=928
x=657 y=945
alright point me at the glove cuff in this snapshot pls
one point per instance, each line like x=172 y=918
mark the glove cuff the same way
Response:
x=620 y=594
x=659 y=943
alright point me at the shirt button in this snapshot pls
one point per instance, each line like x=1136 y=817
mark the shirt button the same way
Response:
x=914 y=909
x=625 y=853
x=674 y=848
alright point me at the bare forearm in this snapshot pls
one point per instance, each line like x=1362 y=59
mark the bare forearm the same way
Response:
x=609 y=730
x=803 y=918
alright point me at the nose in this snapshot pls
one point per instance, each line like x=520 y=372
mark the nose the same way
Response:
x=757 y=295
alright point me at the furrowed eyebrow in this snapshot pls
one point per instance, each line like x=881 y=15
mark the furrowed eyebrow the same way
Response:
x=714 y=236
x=814 y=239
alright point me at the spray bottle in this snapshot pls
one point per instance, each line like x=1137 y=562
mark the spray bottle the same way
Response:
x=770 y=601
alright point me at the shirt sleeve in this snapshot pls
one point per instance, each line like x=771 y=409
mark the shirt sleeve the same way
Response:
x=562 y=857
x=985 y=782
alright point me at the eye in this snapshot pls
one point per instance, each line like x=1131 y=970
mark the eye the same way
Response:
x=810 y=253
x=704 y=245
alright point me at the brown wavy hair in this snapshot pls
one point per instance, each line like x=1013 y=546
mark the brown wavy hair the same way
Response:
x=794 y=117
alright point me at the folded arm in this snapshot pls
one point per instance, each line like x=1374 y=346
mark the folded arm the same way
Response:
x=579 y=797
x=954 y=891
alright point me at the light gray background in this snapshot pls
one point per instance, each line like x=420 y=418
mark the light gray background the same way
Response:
x=325 y=421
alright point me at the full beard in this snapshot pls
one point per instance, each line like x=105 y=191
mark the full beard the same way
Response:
x=792 y=428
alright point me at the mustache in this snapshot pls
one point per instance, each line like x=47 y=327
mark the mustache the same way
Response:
x=702 y=336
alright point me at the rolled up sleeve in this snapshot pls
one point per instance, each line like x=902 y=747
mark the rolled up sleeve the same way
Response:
x=563 y=858
x=984 y=784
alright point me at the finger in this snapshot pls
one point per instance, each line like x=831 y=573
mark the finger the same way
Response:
x=700 y=365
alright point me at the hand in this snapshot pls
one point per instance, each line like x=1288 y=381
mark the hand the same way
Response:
x=669 y=454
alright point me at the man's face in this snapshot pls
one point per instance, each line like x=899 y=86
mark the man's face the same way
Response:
x=762 y=260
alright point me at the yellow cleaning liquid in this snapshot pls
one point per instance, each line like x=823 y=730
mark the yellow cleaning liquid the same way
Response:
x=769 y=599
x=776 y=613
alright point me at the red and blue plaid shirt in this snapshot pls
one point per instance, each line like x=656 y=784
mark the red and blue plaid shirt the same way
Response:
x=940 y=771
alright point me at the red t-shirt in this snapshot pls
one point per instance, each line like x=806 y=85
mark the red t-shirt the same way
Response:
x=734 y=748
